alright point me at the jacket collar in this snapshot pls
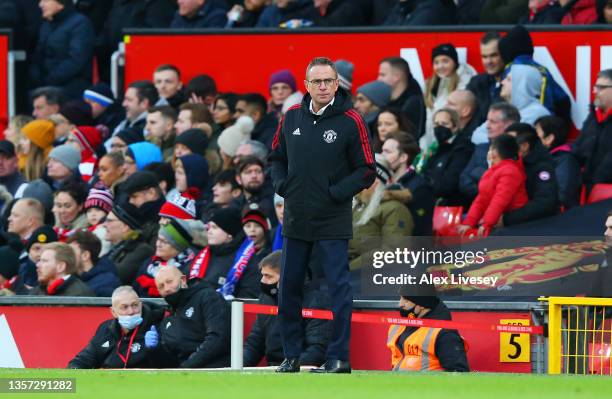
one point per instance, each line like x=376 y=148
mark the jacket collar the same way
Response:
x=562 y=148
x=602 y=116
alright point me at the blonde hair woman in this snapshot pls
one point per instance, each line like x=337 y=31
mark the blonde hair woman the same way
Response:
x=37 y=143
x=448 y=76
x=14 y=134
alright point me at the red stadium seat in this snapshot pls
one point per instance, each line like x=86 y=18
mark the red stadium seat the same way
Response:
x=445 y=216
x=600 y=192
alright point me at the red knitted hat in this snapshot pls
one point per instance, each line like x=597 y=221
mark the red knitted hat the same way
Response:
x=90 y=139
x=179 y=206
x=102 y=199
x=255 y=215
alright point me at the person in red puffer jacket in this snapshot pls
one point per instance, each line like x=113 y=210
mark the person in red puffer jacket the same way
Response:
x=579 y=12
x=501 y=188
x=86 y=139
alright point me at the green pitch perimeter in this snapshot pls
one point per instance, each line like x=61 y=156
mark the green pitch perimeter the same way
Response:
x=98 y=384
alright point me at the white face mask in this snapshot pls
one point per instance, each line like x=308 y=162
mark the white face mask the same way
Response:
x=130 y=322
x=489 y=162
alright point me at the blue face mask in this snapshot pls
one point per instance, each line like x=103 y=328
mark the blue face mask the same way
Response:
x=130 y=322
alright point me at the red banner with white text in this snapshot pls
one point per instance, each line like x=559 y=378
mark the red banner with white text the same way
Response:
x=243 y=61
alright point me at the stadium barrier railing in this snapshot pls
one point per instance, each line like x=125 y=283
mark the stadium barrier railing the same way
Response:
x=580 y=335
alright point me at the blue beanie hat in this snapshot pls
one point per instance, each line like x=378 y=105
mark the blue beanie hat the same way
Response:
x=196 y=171
x=100 y=93
x=144 y=153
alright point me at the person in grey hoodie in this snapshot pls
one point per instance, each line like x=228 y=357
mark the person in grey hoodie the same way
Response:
x=521 y=88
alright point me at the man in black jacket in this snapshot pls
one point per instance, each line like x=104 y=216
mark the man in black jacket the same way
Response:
x=64 y=51
x=406 y=94
x=196 y=333
x=139 y=97
x=265 y=336
x=413 y=189
x=593 y=148
x=255 y=106
x=486 y=86
x=193 y=14
x=541 y=179
x=256 y=189
x=321 y=158
x=119 y=343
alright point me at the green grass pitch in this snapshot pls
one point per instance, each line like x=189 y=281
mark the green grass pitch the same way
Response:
x=106 y=384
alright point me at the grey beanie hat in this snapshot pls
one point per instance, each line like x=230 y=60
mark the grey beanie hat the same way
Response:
x=376 y=91
x=67 y=155
x=345 y=73
x=40 y=190
x=278 y=199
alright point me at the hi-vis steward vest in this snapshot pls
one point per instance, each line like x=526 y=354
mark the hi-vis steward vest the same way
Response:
x=419 y=351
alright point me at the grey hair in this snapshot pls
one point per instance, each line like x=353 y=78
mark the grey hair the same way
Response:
x=260 y=150
x=321 y=61
x=509 y=112
x=121 y=290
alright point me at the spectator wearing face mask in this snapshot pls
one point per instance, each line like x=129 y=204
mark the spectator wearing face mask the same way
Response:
x=446 y=157
x=444 y=349
x=448 y=75
x=264 y=340
x=120 y=342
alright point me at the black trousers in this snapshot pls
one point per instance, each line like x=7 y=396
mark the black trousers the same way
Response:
x=333 y=255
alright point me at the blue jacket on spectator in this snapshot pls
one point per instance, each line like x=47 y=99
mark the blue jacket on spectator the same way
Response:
x=64 y=52
x=272 y=16
x=102 y=278
x=27 y=270
x=210 y=15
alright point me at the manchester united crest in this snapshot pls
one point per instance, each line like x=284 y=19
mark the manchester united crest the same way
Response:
x=329 y=136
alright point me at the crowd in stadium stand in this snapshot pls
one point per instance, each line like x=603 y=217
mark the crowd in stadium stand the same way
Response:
x=168 y=189
x=178 y=174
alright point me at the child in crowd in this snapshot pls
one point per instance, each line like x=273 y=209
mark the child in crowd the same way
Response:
x=242 y=280
x=98 y=205
x=501 y=188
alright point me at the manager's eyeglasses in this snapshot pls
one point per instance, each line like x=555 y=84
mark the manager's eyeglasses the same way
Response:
x=601 y=87
x=317 y=82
